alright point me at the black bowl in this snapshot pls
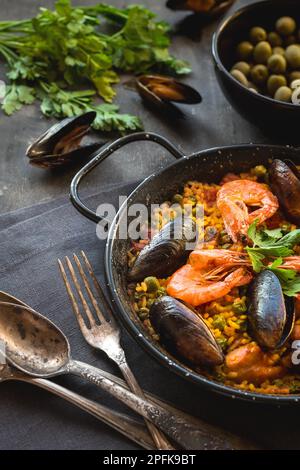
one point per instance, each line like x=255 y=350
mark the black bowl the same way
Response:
x=265 y=112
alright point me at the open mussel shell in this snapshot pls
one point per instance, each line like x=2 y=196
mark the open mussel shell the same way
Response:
x=167 y=251
x=53 y=161
x=271 y=316
x=205 y=7
x=184 y=333
x=161 y=92
x=62 y=142
x=285 y=182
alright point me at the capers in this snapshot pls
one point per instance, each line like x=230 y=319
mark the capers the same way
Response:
x=245 y=50
x=240 y=77
x=292 y=55
x=283 y=93
x=268 y=61
x=275 y=82
x=285 y=25
x=243 y=67
x=259 y=74
x=277 y=63
x=262 y=52
x=257 y=34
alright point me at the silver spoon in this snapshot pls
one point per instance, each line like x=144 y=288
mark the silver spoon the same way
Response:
x=129 y=427
x=37 y=347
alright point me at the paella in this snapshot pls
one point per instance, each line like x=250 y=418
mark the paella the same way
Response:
x=227 y=304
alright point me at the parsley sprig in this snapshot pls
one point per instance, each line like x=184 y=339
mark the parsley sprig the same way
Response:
x=65 y=51
x=269 y=249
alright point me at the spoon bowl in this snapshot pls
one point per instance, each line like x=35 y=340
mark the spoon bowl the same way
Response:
x=33 y=343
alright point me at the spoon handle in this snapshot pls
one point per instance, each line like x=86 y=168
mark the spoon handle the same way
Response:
x=187 y=434
x=129 y=427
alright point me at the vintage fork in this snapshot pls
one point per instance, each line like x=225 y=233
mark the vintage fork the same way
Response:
x=106 y=335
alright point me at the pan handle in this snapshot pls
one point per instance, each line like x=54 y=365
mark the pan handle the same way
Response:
x=102 y=155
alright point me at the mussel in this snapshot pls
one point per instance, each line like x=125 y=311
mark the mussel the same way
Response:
x=61 y=143
x=184 y=333
x=167 y=250
x=271 y=315
x=285 y=182
x=207 y=7
x=162 y=91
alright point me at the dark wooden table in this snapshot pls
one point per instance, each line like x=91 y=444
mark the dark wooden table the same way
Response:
x=213 y=123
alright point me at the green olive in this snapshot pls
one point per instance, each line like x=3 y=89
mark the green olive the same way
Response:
x=243 y=67
x=262 y=52
x=295 y=75
x=257 y=34
x=274 y=39
x=285 y=25
x=245 y=50
x=278 y=50
x=277 y=63
x=240 y=77
x=283 y=93
x=275 y=82
x=292 y=55
x=152 y=284
x=259 y=74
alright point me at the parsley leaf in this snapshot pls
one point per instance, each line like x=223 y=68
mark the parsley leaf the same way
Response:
x=16 y=96
x=68 y=47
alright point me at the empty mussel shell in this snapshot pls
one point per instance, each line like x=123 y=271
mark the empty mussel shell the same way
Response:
x=285 y=182
x=162 y=91
x=62 y=142
x=183 y=332
x=271 y=316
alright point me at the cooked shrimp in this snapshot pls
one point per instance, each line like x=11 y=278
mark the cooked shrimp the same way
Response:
x=233 y=199
x=250 y=363
x=191 y=285
x=209 y=259
x=291 y=262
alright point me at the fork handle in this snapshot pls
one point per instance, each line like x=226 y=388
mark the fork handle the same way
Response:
x=159 y=438
x=186 y=434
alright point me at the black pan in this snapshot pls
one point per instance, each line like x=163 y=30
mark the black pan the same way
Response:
x=207 y=166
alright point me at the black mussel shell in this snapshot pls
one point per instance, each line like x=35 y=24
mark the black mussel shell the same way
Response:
x=62 y=138
x=184 y=333
x=166 y=252
x=271 y=317
x=168 y=89
x=53 y=161
x=285 y=182
x=160 y=92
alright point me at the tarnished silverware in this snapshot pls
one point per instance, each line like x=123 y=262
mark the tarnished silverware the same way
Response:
x=37 y=347
x=106 y=335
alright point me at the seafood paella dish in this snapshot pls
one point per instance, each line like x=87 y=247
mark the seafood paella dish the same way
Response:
x=228 y=306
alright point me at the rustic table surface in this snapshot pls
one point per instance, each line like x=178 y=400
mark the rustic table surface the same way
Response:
x=214 y=123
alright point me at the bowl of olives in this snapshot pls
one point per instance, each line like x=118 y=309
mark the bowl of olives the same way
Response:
x=257 y=61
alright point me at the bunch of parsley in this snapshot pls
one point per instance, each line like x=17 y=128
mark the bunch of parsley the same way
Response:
x=56 y=55
x=269 y=249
